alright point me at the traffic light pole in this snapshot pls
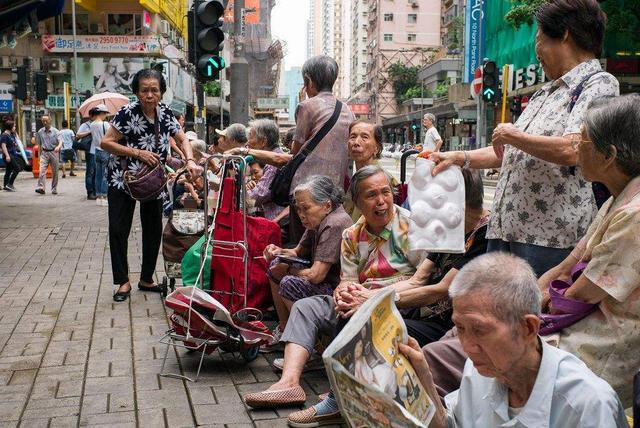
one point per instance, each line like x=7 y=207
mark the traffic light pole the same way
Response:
x=75 y=64
x=239 y=69
x=479 y=117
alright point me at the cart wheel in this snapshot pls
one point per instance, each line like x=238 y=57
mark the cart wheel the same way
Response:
x=251 y=353
x=164 y=287
x=172 y=284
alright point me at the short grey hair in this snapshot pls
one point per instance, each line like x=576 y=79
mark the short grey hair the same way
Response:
x=199 y=145
x=430 y=116
x=613 y=121
x=267 y=129
x=507 y=281
x=362 y=174
x=322 y=70
x=322 y=190
x=236 y=132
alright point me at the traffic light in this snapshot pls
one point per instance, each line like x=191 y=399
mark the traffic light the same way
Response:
x=206 y=37
x=414 y=126
x=19 y=89
x=41 y=86
x=489 y=81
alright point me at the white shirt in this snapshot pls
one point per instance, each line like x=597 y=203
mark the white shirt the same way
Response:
x=430 y=139
x=566 y=394
x=98 y=129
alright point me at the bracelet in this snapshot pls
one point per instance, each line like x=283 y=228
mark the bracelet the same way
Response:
x=190 y=159
x=467 y=160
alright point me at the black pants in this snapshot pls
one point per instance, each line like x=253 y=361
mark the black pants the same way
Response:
x=10 y=173
x=121 y=209
x=427 y=330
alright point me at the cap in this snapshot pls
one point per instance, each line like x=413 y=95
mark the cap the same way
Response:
x=101 y=108
x=191 y=135
x=221 y=132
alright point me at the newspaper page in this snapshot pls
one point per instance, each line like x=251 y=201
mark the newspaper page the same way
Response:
x=374 y=383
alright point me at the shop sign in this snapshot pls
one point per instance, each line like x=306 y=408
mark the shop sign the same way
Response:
x=475 y=30
x=273 y=103
x=359 y=108
x=101 y=44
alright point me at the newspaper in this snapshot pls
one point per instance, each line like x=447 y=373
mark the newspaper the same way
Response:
x=374 y=383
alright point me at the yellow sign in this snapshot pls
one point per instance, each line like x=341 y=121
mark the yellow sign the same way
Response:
x=171 y=10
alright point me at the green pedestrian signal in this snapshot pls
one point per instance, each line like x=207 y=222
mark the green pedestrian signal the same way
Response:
x=206 y=38
x=210 y=66
x=489 y=81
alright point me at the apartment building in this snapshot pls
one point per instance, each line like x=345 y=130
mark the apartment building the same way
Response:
x=359 y=43
x=404 y=31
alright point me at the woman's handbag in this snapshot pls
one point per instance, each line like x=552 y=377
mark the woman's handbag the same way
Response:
x=148 y=182
x=281 y=184
x=19 y=163
x=569 y=311
x=83 y=143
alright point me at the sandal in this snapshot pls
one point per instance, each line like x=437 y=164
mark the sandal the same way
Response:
x=121 y=296
x=153 y=288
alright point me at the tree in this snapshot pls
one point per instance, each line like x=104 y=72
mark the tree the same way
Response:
x=403 y=78
x=523 y=12
x=212 y=89
x=442 y=89
x=455 y=38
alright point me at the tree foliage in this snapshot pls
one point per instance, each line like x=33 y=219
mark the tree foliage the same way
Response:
x=442 y=90
x=456 y=37
x=403 y=78
x=212 y=89
x=523 y=12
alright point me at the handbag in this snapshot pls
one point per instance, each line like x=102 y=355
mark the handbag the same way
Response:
x=281 y=185
x=147 y=183
x=83 y=143
x=19 y=163
x=570 y=311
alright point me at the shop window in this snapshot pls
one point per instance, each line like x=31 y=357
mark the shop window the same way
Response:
x=124 y=24
x=64 y=24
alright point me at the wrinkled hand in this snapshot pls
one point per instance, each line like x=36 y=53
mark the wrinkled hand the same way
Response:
x=251 y=185
x=148 y=158
x=194 y=169
x=505 y=133
x=444 y=160
x=351 y=299
x=302 y=95
x=270 y=252
x=416 y=357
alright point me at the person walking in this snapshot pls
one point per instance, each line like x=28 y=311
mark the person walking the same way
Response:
x=90 y=170
x=432 y=141
x=139 y=136
x=10 y=153
x=99 y=129
x=67 y=154
x=49 y=143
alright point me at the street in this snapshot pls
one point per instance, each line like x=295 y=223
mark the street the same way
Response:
x=70 y=356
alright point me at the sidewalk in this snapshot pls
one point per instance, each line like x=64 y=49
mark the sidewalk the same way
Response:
x=70 y=356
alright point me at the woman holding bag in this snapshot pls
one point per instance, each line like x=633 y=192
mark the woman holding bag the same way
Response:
x=139 y=138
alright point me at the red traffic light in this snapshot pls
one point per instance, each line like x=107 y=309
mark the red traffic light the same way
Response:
x=209 y=12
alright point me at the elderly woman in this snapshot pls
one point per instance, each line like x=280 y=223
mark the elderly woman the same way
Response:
x=375 y=253
x=139 y=134
x=233 y=137
x=512 y=377
x=319 y=204
x=542 y=204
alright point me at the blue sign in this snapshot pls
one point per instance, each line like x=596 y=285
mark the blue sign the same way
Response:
x=474 y=39
x=6 y=106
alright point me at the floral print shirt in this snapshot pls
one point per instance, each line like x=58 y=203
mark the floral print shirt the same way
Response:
x=379 y=260
x=139 y=133
x=538 y=202
x=608 y=340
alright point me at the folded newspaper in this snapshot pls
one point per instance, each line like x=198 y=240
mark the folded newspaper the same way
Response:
x=375 y=384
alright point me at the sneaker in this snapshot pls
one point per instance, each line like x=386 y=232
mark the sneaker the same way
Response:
x=72 y=174
x=8 y=189
x=105 y=203
x=275 y=345
x=99 y=200
x=54 y=192
x=314 y=363
x=12 y=187
x=64 y=176
x=90 y=196
x=40 y=191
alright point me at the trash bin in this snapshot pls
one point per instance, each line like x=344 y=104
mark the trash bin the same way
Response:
x=36 y=163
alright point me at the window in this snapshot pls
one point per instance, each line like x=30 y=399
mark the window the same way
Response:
x=65 y=24
x=388 y=17
x=389 y=37
x=412 y=18
x=411 y=37
x=124 y=24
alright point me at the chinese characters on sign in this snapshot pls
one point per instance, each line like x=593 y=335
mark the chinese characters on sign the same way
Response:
x=102 y=44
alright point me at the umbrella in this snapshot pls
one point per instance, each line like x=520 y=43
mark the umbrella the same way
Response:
x=112 y=100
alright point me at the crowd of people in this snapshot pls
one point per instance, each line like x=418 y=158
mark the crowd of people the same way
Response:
x=535 y=324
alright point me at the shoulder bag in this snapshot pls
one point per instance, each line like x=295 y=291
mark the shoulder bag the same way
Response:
x=281 y=184
x=147 y=183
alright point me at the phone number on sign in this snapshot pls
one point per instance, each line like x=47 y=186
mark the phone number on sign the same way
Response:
x=114 y=39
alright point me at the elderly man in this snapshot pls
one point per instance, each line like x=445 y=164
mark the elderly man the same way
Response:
x=513 y=378
x=49 y=145
x=234 y=136
x=375 y=253
x=432 y=141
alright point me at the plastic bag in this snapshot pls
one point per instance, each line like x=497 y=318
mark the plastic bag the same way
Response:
x=191 y=264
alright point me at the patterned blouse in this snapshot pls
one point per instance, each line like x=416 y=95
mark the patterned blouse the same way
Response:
x=379 y=260
x=538 y=202
x=262 y=192
x=139 y=133
x=608 y=340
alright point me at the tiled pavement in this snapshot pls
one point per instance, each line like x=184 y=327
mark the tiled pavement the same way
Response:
x=69 y=356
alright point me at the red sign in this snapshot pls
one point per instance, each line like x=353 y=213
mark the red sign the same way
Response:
x=359 y=108
x=524 y=101
x=476 y=85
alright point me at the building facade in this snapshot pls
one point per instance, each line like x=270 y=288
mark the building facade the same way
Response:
x=407 y=32
x=359 y=24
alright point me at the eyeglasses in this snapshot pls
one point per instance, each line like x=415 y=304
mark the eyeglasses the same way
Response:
x=576 y=142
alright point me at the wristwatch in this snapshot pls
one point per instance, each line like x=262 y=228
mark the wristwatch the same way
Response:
x=467 y=160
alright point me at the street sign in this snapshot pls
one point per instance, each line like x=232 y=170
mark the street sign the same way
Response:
x=273 y=103
x=476 y=85
x=6 y=106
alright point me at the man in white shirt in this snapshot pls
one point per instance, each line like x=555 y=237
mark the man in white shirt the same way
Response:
x=432 y=141
x=99 y=128
x=90 y=173
x=512 y=378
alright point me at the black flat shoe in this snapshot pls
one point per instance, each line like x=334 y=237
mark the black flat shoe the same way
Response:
x=154 y=288
x=121 y=296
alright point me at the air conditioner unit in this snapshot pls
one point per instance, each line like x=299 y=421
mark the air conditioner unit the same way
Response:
x=165 y=28
x=6 y=62
x=180 y=43
x=36 y=63
x=56 y=65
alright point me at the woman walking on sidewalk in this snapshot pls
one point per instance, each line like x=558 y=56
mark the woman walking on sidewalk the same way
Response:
x=139 y=135
x=10 y=154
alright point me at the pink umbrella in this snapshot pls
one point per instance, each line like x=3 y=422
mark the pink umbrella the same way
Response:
x=112 y=100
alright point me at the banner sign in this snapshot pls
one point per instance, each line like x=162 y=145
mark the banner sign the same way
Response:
x=359 y=108
x=474 y=44
x=101 y=44
x=273 y=103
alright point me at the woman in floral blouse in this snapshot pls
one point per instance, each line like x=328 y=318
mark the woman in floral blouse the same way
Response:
x=135 y=137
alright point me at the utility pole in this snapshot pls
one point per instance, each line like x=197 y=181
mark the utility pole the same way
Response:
x=75 y=64
x=239 y=68
x=32 y=97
